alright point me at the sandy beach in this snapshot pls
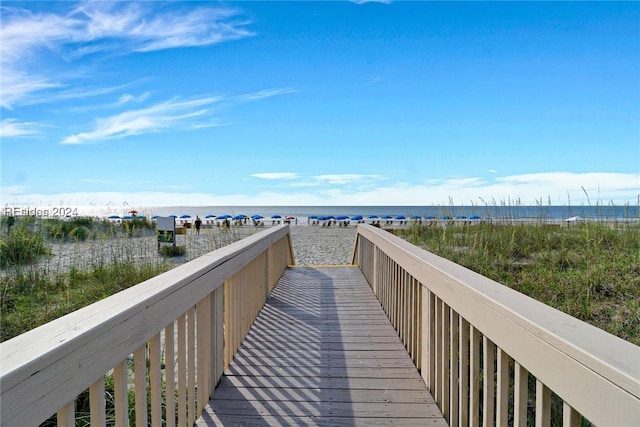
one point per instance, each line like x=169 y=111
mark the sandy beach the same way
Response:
x=312 y=245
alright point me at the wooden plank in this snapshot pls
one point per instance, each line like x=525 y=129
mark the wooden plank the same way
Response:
x=210 y=418
x=324 y=372
x=324 y=409
x=314 y=356
x=320 y=395
x=246 y=360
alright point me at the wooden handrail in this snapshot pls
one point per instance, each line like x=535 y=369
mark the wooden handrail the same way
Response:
x=177 y=315
x=445 y=314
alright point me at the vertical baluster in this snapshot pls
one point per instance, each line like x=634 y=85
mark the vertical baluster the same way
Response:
x=502 y=398
x=426 y=364
x=219 y=343
x=463 y=385
x=121 y=393
x=489 y=386
x=474 y=395
x=191 y=366
x=169 y=372
x=228 y=324
x=454 y=367
x=66 y=416
x=155 y=381
x=203 y=311
x=445 y=348
x=97 y=403
x=570 y=417
x=543 y=405
x=432 y=337
x=140 y=373
x=438 y=350
x=182 y=371
x=520 y=395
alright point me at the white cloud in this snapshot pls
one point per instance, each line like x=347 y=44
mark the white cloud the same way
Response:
x=169 y=114
x=340 y=179
x=275 y=175
x=371 y=1
x=14 y=128
x=527 y=189
x=268 y=93
x=92 y=27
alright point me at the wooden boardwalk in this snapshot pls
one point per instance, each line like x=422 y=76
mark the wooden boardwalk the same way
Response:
x=322 y=352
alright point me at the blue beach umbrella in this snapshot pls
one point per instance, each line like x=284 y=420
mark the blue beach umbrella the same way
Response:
x=238 y=217
x=475 y=217
x=356 y=217
x=373 y=217
x=210 y=216
x=401 y=217
x=386 y=217
x=276 y=216
x=173 y=216
x=313 y=217
x=416 y=217
x=185 y=216
x=429 y=217
x=342 y=217
x=155 y=217
x=256 y=216
x=114 y=217
x=127 y=217
x=225 y=216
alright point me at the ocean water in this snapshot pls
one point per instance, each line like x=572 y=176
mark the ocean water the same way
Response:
x=515 y=213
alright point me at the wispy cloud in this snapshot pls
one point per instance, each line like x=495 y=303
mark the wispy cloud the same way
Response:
x=169 y=114
x=341 y=179
x=14 y=128
x=92 y=27
x=371 y=1
x=268 y=93
x=276 y=175
x=526 y=189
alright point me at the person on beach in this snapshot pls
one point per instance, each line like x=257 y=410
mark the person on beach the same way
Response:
x=198 y=224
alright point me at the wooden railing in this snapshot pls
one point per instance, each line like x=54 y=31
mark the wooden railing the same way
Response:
x=182 y=327
x=479 y=344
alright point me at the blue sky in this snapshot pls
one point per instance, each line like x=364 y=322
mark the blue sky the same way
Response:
x=319 y=103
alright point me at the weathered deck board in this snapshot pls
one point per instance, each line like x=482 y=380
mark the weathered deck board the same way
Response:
x=322 y=352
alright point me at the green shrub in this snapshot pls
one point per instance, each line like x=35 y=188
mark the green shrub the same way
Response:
x=22 y=246
x=173 y=251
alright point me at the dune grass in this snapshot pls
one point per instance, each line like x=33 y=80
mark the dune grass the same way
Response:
x=588 y=270
x=37 y=285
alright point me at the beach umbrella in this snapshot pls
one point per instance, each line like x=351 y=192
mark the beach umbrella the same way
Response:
x=210 y=216
x=173 y=216
x=313 y=217
x=416 y=217
x=386 y=217
x=373 y=217
x=114 y=217
x=429 y=217
x=225 y=216
x=475 y=217
x=256 y=216
x=401 y=217
x=291 y=217
x=127 y=217
x=238 y=217
x=461 y=217
x=276 y=216
x=356 y=217
x=185 y=216
x=342 y=217
x=133 y=212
